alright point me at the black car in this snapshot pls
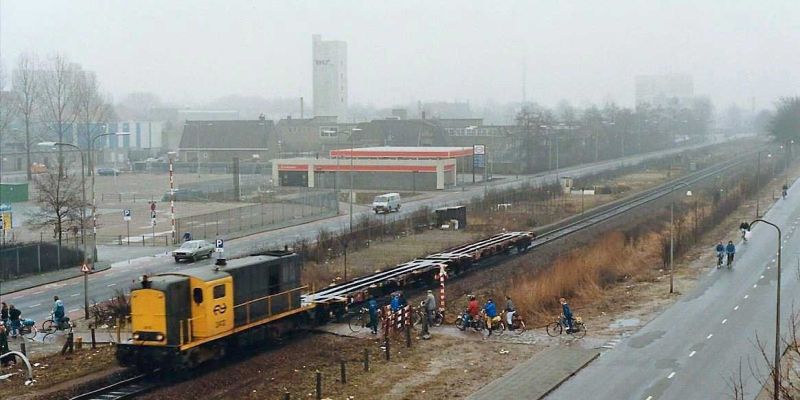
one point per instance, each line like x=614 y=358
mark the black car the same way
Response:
x=108 y=172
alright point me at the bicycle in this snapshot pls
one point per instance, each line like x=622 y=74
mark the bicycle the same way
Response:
x=49 y=327
x=420 y=313
x=730 y=260
x=557 y=328
x=720 y=257
x=358 y=320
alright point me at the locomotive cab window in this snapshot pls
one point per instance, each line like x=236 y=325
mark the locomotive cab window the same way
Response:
x=219 y=291
x=197 y=294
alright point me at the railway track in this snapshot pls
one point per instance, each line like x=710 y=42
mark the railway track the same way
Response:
x=125 y=389
x=503 y=242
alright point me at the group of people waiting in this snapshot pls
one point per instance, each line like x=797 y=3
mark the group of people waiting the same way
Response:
x=11 y=319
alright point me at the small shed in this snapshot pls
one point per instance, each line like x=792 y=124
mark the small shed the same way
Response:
x=445 y=214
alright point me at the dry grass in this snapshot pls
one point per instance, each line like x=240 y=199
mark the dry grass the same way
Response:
x=584 y=274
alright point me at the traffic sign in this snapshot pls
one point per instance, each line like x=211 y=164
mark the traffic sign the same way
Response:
x=126 y=215
x=153 y=206
x=479 y=149
x=85 y=268
x=5 y=221
x=219 y=246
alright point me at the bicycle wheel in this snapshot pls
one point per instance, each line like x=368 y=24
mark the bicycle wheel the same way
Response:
x=520 y=326
x=356 y=322
x=48 y=326
x=32 y=334
x=460 y=324
x=579 y=332
x=554 y=329
x=500 y=329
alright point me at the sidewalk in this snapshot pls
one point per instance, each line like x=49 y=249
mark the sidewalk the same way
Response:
x=541 y=374
x=33 y=281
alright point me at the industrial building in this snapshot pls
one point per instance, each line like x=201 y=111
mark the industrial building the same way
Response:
x=385 y=168
x=330 y=78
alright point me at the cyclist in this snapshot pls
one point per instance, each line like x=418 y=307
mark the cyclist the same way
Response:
x=567 y=313
x=730 y=250
x=744 y=227
x=58 y=312
x=720 y=253
x=491 y=315
x=473 y=308
x=785 y=189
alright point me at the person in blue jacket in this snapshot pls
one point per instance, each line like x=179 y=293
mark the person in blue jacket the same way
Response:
x=395 y=302
x=372 y=307
x=720 y=253
x=730 y=250
x=491 y=315
x=567 y=313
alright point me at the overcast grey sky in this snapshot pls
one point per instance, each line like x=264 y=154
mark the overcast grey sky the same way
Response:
x=398 y=51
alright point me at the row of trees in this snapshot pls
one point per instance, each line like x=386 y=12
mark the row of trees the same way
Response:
x=594 y=133
x=48 y=99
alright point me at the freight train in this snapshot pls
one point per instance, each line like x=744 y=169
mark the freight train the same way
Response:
x=182 y=319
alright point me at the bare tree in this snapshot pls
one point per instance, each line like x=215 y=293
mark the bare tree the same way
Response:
x=91 y=107
x=24 y=84
x=60 y=202
x=58 y=92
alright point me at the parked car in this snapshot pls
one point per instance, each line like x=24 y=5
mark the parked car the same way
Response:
x=108 y=172
x=386 y=203
x=193 y=250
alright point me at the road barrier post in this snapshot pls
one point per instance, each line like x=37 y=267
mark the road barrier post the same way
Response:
x=94 y=342
x=388 y=352
x=22 y=349
x=408 y=335
x=366 y=360
x=319 y=385
x=343 y=368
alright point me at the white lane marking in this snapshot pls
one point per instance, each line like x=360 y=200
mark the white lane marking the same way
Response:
x=709 y=336
x=74 y=309
x=746 y=296
x=769 y=267
x=692 y=353
x=671 y=375
x=762 y=277
x=649 y=398
x=755 y=286
x=38 y=292
x=114 y=284
x=74 y=294
x=724 y=321
x=773 y=260
x=35 y=305
x=735 y=308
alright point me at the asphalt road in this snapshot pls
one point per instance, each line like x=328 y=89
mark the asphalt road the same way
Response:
x=37 y=303
x=694 y=349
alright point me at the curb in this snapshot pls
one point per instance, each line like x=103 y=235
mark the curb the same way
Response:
x=566 y=378
x=98 y=268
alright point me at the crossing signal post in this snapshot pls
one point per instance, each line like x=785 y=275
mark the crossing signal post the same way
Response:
x=153 y=220
x=126 y=216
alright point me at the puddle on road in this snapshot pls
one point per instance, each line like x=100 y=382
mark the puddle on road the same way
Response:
x=625 y=323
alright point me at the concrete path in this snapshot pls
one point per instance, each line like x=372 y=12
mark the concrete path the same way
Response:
x=541 y=374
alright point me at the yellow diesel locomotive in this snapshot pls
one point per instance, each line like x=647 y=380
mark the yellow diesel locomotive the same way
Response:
x=181 y=319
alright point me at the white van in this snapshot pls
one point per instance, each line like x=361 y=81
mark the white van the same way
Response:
x=386 y=203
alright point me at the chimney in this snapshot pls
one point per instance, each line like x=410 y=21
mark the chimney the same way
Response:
x=301 y=107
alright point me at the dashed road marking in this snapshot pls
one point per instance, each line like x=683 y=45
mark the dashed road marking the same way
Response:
x=724 y=321
x=649 y=398
x=35 y=305
x=74 y=309
x=746 y=296
x=735 y=308
x=755 y=285
x=38 y=292
x=762 y=277
x=114 y=284
x=671 y=375
x=74 y=294
x=692 y=353
x=709 y=336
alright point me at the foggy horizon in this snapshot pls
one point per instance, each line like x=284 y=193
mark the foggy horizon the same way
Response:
x=189 y=53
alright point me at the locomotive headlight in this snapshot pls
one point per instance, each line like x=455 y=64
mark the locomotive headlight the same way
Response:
x=159 y=337
x=135 y=336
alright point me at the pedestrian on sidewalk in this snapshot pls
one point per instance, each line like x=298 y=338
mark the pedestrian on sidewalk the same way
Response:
x=4 y=345
x=13 y=318
x=4 y=313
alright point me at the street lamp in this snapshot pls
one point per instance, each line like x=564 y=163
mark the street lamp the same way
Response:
x=92 y=172
x=352 y=145
x=777 y=360
x=83 y=218
x=336 y=173
x=672 y=234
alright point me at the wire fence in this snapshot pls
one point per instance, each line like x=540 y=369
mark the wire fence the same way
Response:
x=27 y=258
x=286 y=210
